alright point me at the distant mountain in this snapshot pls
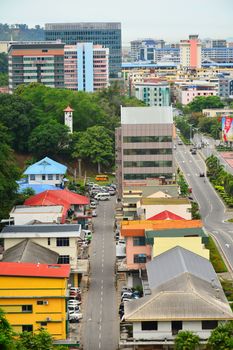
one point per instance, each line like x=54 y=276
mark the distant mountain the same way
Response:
x=18 y=32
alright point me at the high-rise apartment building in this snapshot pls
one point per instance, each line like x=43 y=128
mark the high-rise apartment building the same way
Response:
x=36 y=62
x=86 y=67
x=144 y=145
x=190 y=52
x=106 y=34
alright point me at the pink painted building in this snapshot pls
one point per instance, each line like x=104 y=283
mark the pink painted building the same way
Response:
x=190 y=52
x=86 y=67
x=186 y=92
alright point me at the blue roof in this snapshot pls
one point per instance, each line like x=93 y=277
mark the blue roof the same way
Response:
x=46 y=166
x=145 y=64
x=37 y=188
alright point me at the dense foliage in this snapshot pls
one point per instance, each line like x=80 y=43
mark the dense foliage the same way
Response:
x=9 y=173
x=3 y=62
x=19 y=32
x=222 y=337
x=186 y=340
x=201 y=102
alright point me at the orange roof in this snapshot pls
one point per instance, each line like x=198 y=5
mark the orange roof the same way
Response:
x=138 y=227
x=34 y=270
x=68 y=109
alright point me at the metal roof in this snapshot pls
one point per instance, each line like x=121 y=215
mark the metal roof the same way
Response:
x=176 y=262
x=29 y=251
x=146 y=115
x=25 y=209
x=184 y=297
x=164 y=201
x=30 y=231
x=46 y=166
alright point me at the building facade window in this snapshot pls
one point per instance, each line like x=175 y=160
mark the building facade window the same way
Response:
x=27 y=308
x=149 y=326
x=211 y=324
x=57 y=176
x=147 y=151
x=49 y=241
x=148 y=164
x=64 y=259
x=27 y=328
x=63 y=242
x=176 y=327
x=147 y=176
x=139 y=258
x=129 y=139
x=32 y=177
x=139 y=241
x=43 y=177
x=50 y=177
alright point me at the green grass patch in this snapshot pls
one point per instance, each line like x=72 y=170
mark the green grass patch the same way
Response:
x=215 y=257
x=228 y=289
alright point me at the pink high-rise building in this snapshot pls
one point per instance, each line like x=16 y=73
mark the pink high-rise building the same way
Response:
x=86 y=67
x=190 y=52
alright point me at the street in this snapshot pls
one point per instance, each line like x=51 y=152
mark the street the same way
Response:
x=100 y=323
x=211 y=207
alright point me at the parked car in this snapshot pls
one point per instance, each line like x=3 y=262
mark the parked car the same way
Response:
x=117 y=235
x=126 y=289
x=111 y=191
x=92 y=205
x=72 y=309
x=180 y=142
x=75 y=316
x=121 y=241
x=73 y=302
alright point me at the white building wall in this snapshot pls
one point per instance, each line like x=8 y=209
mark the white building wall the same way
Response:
x=24 y=218
x=38 y=180
x=182 y=210
x=165 y=331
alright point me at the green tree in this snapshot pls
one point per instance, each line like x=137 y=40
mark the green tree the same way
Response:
x=9 y=173
x=3 y=62
x=49 y=139
x=40 y=340
x=6 y=333
x=3 y=79
x=95 y=144
x=186 y=340
x=222 y=337
x=201 y=102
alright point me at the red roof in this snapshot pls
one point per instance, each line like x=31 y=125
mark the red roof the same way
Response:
x=166 y=215
x=57 y=197
x=68 y=109
x=34 y=270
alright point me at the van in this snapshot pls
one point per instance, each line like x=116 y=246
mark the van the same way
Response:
x=101 y=178
x=102 y=196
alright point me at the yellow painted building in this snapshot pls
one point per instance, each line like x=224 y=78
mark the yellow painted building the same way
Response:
x=34 y=296
x=194 y=244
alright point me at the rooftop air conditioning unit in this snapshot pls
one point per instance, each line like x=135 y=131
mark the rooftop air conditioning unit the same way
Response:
x=45 y=302
x=48 y=319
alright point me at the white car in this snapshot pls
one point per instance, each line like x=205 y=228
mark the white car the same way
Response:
x=93 y=205
x=73 y=302
x=76 y=315
x=94 y=213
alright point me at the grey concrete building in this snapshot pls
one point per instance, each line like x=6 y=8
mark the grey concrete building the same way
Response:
x=144 y=145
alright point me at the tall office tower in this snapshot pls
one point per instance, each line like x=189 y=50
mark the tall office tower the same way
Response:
x=106 y=34
x=190 y=52
x=40 y=62
x=86 y=67
x=135 y=49
x=144 y=145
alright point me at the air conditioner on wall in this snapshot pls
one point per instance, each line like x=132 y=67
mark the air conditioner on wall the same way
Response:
x=45 y=302
x=48 y=319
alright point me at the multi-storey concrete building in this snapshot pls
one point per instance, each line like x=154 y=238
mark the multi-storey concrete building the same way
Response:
x=185 y=92
x=106 y=34
x=144 y=145
x=36 y=62
x=86 y=67
x=190 y=52
x=153 y=93
x=219 y=54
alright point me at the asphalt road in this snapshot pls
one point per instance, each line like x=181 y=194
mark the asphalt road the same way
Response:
x=100 y=323
x=211 y=207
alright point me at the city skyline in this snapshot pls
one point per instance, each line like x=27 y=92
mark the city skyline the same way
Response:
x=165 y=19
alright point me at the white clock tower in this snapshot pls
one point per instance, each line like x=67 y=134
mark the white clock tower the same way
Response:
x=69 y=118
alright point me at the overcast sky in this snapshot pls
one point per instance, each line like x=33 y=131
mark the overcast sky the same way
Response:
x=170 y=20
